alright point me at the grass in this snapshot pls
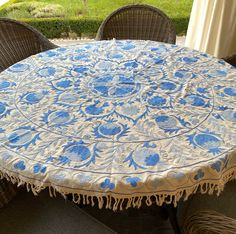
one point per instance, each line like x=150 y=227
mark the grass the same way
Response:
x=177 y=10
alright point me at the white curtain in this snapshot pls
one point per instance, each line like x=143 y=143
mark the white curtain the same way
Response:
x=212 y=27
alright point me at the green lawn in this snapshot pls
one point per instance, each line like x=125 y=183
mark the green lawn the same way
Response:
x=96 y=11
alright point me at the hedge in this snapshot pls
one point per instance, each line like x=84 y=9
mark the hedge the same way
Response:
x=83 y=27
x=55 y=27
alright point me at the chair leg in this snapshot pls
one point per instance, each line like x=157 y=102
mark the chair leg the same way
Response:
x=172 y=213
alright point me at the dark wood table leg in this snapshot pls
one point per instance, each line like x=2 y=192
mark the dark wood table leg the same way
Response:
x=172 y=213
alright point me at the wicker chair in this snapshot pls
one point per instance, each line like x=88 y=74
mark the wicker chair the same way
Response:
x=231 y=59
x=141 y=22
x=19 y=41
x=209 y=222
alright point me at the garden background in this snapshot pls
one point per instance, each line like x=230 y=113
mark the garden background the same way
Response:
x=81 y=18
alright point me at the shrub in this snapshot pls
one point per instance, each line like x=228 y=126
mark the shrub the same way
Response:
x=34 y=9
x=56 y=27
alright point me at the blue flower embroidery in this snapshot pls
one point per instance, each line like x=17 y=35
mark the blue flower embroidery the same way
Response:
x=4 y=110
x=96 y=108
x=22 y=137
x=133 y=181
x=76 y=151
x=47 y=71
x=216 y=166
x=4 y=85
x=167 y=85
x=128 y=46
x=20 y=165
x=143 y=158
x=152 y=160
x=107 y=184
x=39 y=168
x=230 y=91
x=157 y=101
x=19 y=67
x=159 y=61
x=31 y=98
x=190 y=59
x=199 y=175
x=206 y=140
x=58 y=118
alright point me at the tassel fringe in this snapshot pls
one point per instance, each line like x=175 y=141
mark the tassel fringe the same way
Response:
x=119 y=202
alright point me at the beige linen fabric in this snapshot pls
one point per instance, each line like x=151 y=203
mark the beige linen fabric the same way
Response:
x=212 y=27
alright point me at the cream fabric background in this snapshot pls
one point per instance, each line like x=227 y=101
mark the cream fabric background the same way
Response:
x=212 y=27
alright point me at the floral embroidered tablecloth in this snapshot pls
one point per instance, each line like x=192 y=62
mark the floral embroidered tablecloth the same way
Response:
x=119 y=121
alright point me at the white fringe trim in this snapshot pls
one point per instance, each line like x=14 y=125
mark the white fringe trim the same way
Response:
x=119 y=202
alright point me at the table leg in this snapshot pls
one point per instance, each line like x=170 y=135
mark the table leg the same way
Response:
x=172 y=213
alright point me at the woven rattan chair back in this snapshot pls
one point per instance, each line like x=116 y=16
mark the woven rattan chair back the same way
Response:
x=19 y=41
x=209 y=222
x=138 y=22
x=231 y=59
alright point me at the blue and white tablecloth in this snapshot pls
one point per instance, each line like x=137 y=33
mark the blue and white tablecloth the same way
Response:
x=120 y=121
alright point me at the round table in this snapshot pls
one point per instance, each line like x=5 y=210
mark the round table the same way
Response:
x=119 y=121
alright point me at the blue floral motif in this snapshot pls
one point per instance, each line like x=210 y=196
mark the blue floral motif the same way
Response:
x=23 y=137
x=170 y=124
x=216 y=166
x=107 y=184
x=128 y=46
x=166 y=85
x=110 y=129
x=115 y=56
x=61 y=49
x=31 y=98
x=152 y=159
x=96 y=108
x=4 y=85
x=157 y=101
x=81 y=57
x=4 y=110
x=66 y=99
x=190 y=59
x=131 y=65
x=20 y=165
x=159 y=61
x=199 y=175
x=230 y=92
x=202 y=90
x=149 y=145
x=58 y=118
x=143 y=158
x=133 y=181
x=114 y=86
x=206 y=140
x=76 y=151
x=39 y=168
x=47 y=71
x=217 y=73
x=51 y=53
x=19 y=67
x=184 y=74
x=78 y=70
x=195 y=100
x=61 y=84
